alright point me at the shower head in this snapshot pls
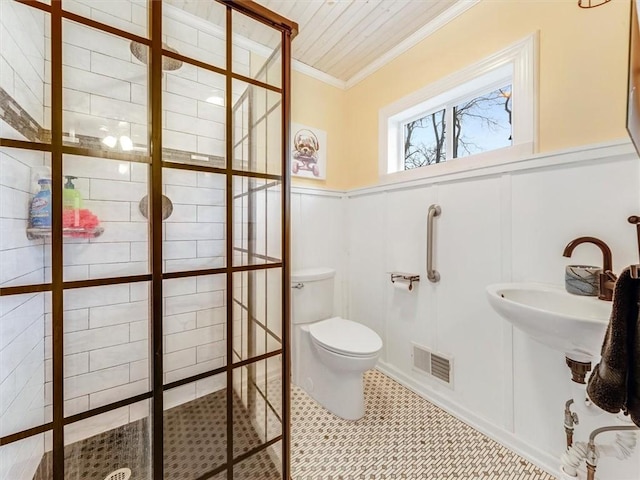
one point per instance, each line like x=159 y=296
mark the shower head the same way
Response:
x=140 y=52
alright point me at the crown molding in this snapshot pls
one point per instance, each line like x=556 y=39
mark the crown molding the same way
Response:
x=445 y=17
x=310 y=71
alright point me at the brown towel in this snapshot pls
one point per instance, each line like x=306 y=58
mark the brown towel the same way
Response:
x=614 y=384
x=633 y=386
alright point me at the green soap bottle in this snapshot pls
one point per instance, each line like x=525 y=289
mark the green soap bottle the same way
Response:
x=71 y=201
x=71 y=198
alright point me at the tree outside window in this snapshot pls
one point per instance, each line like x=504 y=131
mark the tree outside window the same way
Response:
x=424 y=141
x=479 y=125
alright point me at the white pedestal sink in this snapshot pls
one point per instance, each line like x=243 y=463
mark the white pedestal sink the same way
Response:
x=570 y=323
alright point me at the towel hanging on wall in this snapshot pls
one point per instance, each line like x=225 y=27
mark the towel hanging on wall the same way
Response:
x=614 y=384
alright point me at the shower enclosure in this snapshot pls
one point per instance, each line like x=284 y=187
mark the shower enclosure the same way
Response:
x=144 y=290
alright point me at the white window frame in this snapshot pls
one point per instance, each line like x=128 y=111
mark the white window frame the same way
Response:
x=515 y=65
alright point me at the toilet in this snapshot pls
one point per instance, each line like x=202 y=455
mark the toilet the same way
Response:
x=329 y=354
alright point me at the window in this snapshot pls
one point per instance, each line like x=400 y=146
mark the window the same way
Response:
x=480 y=124
x=423 y=142
x=484 y=113
x=483 y=123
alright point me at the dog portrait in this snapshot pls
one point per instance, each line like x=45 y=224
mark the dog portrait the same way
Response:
x=308 y=154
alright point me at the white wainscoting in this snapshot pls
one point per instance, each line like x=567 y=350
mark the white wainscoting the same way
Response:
x=498 y=224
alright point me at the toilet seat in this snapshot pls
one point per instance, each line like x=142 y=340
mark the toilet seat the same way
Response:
x=345 y=337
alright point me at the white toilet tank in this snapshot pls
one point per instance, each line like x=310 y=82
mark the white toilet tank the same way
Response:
x=312 y=294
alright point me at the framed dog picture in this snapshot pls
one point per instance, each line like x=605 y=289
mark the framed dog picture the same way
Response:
x=308 y=152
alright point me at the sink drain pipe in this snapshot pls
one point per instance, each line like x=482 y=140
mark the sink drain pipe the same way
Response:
x=583 y=406
x=577 y=452
x=621 y=448
x=570 y=419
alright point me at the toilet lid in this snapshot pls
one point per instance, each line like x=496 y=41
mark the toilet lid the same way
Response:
x=345 y=337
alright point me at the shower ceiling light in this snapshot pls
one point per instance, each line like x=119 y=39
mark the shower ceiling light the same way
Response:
x=216 y=100
x=110 y=141
x=126 y=143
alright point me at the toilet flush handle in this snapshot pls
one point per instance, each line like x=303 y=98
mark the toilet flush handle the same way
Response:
x=298 y=285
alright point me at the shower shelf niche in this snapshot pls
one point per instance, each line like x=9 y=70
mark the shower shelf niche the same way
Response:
x=34 y=233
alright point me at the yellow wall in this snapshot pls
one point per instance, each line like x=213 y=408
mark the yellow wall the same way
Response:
x=320 y=105
x=582 y=75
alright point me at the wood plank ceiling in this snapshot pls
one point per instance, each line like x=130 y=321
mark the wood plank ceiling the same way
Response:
x=341 y=37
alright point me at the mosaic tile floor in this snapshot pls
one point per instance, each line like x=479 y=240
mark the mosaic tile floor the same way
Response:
x=401 y=436
x=194 y=443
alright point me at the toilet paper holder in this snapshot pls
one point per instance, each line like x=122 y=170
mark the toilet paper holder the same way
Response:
x=405 y=277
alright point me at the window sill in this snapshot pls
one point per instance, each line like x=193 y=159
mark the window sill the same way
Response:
x=470 y=164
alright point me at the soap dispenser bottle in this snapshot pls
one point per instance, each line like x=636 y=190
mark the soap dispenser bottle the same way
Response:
x=71 y=198
x=72 y=203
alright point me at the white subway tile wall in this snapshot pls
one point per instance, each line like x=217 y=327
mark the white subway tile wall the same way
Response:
x=19 y=460
x=22 y=66
x=128 y=15
x=22 y=380
x=196 y=37
x=22 y=317
x=106 y=341
x=106 y=86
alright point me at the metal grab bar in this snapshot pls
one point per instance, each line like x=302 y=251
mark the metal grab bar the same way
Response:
x=432 y=275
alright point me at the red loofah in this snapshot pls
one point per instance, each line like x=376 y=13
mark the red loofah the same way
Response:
x=83 y=219
x=88 y=220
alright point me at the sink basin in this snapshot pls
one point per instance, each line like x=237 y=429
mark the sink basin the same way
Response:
x=570 y=323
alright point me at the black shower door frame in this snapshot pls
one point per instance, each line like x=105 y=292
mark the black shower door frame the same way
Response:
x=58 y=286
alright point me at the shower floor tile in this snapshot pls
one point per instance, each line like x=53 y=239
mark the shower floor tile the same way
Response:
x=194 y=444
x=401 y=436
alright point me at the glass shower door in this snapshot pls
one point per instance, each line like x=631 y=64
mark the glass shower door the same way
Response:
x=144 y=308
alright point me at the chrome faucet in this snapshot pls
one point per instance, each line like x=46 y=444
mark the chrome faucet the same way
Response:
x=607 y=277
